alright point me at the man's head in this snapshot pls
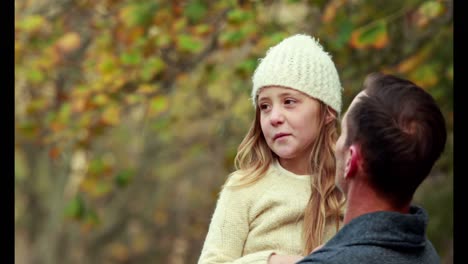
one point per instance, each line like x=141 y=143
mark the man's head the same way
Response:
x=392 y=133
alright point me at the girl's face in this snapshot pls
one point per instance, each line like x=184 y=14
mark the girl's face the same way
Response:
x=290 y=122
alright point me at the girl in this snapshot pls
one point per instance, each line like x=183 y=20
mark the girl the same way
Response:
x=282 y=202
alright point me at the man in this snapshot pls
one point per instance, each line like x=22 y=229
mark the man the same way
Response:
x=392 y=134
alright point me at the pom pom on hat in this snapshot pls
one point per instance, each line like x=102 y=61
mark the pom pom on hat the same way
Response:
x=299 y=62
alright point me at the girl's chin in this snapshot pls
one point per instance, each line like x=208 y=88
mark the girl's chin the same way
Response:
x=285 y=155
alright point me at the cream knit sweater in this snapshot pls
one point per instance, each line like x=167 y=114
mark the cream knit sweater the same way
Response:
x=250 y=223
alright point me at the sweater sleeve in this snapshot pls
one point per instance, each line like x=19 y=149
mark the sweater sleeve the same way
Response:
x=228 y=232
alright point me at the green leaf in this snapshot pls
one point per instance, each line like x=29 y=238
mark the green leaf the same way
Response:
x=276 y=38
x=28 y=128
x=158 y=105
x=371 y=34
x=31 y=23
x=123 y=178
x=101 y=99
x=431 y=9
x=139 y=14
x=162 y=128
x=344 y=34
x=233 y=37
x=133 y=98
x=202 y=29
x=64 y=113
x=162 y=40
x=247 y=67
x=238 y=16
x=75 y=208
x=107 y=65
x=92 y=218
x=96 y=166
x=85 y=119
x=21 y=169
x=195 y=11
x=449 y=72
x=102 y=188
x=196 y=150
x=151 y=67
x=161 y=123
x=37 y=105
x=426 y=75
x=35 y=76
x=180 y=24
x=131 y=58
x=188 y=43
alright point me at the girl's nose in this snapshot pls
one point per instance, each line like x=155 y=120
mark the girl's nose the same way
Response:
x=277 y=116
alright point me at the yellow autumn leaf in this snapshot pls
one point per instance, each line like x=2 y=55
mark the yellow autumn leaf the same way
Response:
x=408 y=64
x=160 y=217
x=179 y=24
x=119 y=251
x=69 y=42
x=80 y=91
x=125 y=15
x=412 y=62
x=217 y=92
x=118 y=81
x=85 y=119
x=107 y=64
x=18 y=50
x=111 y=115
x=203 y=29
x=88 y=184
x=146 y=89
x=139 y=244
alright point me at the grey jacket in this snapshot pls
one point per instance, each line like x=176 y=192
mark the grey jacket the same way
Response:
x=382 y=238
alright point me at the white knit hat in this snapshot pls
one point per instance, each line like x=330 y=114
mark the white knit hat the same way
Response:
x=299 y=62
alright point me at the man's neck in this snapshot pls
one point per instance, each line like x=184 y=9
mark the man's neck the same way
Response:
x=362 y=199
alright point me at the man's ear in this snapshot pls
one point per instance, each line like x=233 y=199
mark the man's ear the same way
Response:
x=352 y=160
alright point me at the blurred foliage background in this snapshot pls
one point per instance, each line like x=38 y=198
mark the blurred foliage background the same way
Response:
x=128 y=114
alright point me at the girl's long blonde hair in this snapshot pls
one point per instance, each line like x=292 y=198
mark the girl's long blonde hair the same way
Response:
x=326 y=201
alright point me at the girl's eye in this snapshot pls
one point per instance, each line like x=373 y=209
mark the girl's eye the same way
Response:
x=264 y=106
x=289 y=101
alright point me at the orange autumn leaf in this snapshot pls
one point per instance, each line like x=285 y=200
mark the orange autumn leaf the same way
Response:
x=54 y=153
x=331 y=9
x=57 y=126
x=381 y=41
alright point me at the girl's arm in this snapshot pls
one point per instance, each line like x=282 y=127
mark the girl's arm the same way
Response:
x=228 y=232
x=284 y=259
